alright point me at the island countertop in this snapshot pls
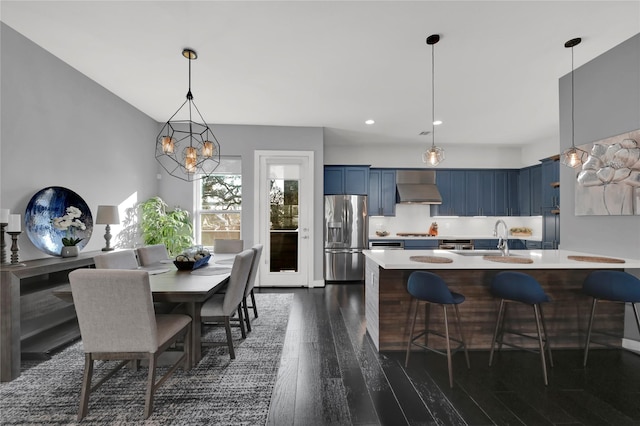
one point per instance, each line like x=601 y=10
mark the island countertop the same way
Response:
x=474 y=259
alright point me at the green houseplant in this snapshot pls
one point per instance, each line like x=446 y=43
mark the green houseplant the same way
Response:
x=158 y=225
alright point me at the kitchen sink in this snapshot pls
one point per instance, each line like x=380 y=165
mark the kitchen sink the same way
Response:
x=478 y=252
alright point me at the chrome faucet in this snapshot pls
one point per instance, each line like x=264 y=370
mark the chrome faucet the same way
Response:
x=503 y=246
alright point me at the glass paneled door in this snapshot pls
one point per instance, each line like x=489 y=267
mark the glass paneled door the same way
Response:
x=285 y=194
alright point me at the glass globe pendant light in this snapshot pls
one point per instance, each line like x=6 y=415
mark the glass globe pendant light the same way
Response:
x=573 y=157
x=434 y=155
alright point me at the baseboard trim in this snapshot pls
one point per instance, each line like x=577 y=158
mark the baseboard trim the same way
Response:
x=317 y=283
x=632 y=345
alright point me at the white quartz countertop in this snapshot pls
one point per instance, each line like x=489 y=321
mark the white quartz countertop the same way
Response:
x=453 y=237
x=542 y=259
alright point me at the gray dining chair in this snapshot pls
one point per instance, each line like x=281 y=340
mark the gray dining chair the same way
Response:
x=155 y=253
x=251 y=281
x=219 y=308
x=228 y=246
x=125 y=259
x=117 y=322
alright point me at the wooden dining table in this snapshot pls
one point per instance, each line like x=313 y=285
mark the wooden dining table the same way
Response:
x=191 y=288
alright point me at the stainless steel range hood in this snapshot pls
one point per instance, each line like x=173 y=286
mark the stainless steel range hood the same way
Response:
x=417 y=186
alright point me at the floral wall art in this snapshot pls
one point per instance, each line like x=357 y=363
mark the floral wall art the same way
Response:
x=609 y=182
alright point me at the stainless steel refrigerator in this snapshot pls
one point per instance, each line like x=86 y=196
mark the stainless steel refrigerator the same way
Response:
x=345 y=236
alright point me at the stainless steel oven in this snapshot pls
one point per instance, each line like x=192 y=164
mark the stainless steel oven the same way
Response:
x=455 y=244
x=387 y=245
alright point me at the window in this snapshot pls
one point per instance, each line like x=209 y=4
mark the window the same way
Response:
x=219 y=203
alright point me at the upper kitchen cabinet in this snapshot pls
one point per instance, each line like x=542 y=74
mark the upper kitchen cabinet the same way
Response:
x=382 y=192
x=530 y=194
x=451 y=184
x=350 y=180
x=480 y=193
x=550 y=182
x=507 y=193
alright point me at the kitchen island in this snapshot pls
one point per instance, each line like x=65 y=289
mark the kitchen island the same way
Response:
x=470 y=273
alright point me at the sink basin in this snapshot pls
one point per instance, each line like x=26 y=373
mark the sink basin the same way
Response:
x=478 y=252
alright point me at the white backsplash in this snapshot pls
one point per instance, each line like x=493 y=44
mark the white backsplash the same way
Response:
x=417 y=218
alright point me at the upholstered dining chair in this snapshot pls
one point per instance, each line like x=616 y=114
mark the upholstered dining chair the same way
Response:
x=117 y=322
x=125 y=259
x=219 y=308
x=228 y=246
x=251 y=281
x=155 y=253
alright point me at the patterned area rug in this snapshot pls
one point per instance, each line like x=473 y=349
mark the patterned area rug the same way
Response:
x=218 y=391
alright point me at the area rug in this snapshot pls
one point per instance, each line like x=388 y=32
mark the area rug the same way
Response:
x=218 y=391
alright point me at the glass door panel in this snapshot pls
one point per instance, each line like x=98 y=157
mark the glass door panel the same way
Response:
x=283 y=221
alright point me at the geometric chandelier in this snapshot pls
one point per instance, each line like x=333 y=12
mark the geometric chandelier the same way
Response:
x=188 y=149
x=573 y=157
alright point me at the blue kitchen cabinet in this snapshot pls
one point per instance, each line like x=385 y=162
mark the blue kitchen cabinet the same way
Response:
x=451 y=184
x=550 y=229
x=480 y=193
x=420 y=244
x=507 y=193
x=516 y=244
x=550 y=183
x=350 y=180
x=536 y=190
x=533 y=245
x=382 y=192
x=485 y=244
x=524 y=191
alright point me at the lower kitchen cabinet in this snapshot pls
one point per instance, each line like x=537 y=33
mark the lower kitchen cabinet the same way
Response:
x=420 y=244
x=533 y=245
x=488 y=244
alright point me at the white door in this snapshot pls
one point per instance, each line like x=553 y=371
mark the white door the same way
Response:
x=284 y=200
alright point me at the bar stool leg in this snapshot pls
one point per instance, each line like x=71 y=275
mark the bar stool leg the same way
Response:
x=414 y=305
x=538 y=327
x=495 y=333
x=586 y=346
x=546 y=337
x=446 y=332
x=464 y=345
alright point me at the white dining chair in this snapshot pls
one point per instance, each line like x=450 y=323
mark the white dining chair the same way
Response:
x=117 y=322
x=251 y=281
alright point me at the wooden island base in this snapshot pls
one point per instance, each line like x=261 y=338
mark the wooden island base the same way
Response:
x=567 y=315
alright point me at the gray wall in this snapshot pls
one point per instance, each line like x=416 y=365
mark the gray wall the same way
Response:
x=242 y=141
x=607 y=103
x=59 y=128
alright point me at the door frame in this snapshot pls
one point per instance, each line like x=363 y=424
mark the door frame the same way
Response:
x=261 y=218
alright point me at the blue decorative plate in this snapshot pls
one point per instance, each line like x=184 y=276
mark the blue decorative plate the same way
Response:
x=59 y=206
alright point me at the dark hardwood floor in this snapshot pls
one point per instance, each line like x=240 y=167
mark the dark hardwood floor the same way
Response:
x=331 y=374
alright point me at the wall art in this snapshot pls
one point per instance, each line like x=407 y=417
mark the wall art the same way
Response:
x=609 y=182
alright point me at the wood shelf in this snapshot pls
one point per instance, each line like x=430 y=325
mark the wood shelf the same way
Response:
x=555 y=211
x=555 y=184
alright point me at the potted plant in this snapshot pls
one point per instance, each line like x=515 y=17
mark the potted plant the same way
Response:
x=158 y=225
x=69 y=222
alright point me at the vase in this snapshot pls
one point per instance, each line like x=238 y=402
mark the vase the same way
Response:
x=69 y=251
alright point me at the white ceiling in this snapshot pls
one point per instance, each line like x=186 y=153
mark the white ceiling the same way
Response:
x=335 y=64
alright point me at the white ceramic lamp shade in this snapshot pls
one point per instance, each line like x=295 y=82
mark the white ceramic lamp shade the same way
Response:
x=107 y=215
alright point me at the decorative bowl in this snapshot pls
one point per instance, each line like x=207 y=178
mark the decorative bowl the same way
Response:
x=382 y=233
x=191 y=265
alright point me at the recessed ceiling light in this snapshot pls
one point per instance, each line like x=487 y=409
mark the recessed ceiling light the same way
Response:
x=437 y=122
x=370 y=122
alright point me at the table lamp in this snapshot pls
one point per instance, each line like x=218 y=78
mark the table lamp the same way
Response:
x=108 y=215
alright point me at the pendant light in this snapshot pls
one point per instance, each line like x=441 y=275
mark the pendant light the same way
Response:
x=573 y=157
x=434 y=155
x=188 y=149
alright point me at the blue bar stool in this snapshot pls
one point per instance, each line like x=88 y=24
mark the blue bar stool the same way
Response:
x=430 y=288
x=612 y=286
x=519 y=287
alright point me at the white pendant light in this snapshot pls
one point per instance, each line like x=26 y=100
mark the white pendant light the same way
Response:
x=573 y=157
x=434 y=155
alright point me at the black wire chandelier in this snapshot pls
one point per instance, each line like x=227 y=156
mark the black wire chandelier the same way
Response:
x=185 y=148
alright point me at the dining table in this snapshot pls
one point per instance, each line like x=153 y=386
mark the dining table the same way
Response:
x=191 y=288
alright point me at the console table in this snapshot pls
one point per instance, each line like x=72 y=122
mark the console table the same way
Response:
x=33 y=322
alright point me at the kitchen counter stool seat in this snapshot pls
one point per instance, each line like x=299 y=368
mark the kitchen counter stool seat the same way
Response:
x=610 y=286
x=430 y=288
x=523 y=288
